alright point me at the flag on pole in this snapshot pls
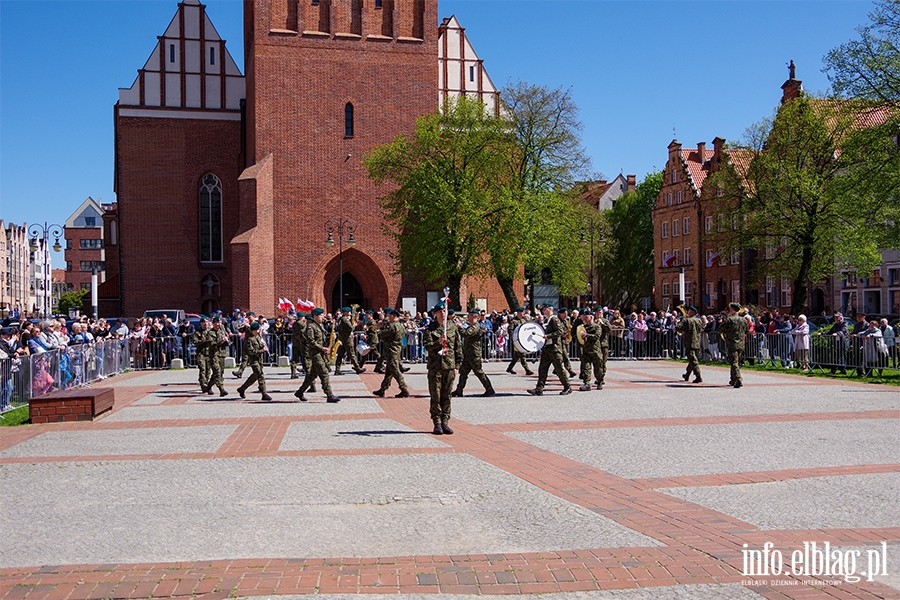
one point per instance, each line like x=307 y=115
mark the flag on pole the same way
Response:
x=712 y=259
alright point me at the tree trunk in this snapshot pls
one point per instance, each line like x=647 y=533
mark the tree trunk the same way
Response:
x=506 y=284
x=454 y=283
x=801 y=291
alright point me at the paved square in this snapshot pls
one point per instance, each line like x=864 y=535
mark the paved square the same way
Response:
x=645 y=490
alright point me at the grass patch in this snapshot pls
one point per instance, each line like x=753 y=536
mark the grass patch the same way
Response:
x=889 y=376
x=16 y=416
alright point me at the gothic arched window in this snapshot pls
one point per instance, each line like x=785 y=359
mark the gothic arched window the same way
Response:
x=210 y=219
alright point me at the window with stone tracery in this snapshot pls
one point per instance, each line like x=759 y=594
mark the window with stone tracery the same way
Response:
x=210 y=219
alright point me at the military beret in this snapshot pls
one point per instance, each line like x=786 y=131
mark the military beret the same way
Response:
x=390 y=311
x=520 y=309
x=450 y=311
x=203 y=318
x=693 y=308
x=370 y=312
x=562 y=309
x=6 y=331
x=216 y=319
x=301 y=314
x=547 y=305
x=438 y=307
x=251 y=314
x=474 y=311
x=254 y=326
x=317 y=311
x=734 y=306
x=346 y=309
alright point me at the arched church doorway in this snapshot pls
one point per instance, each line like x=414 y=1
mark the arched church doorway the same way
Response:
x=353 y=293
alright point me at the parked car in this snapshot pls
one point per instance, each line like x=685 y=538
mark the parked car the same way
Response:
x=175 y=314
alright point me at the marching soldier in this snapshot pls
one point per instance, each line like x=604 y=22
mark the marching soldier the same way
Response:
x=254 y=349
x=551 y=353
x=734 y=331
x=605 y=327
x=244 y=331
x=199 y=341
x=345 y=335
x=298 y=354
x=216 y=345
x=372 y=340
x=590 y=334
x=566 y=338
x=392 y=336
x=444 y=357
x=514 y=322
x=471 y=337
x=317 y=351
x=690 y=329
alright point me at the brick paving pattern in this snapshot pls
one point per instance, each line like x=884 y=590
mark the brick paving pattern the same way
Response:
x=648 y=489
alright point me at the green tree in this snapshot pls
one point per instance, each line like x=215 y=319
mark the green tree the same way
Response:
x=625 y=262
x=785 y=191
x=869 y=68
x=71 y=300
x=445 y=178
x=538 y=218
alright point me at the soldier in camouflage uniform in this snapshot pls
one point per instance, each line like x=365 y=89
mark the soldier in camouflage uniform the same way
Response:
x=317 y=352
x=254 y=349
x=372 y=340
x=471 y=337
x=605 y=328
x=199 y=341
x=345 y=335
x=690 y=329
x=244 y=331
x=444 y=357
x=566 y=338
x=298 y=347
x=592 y=352
x=514 y=322
x=216 y=346
x=734 y=331
x=392 y=336
x=551 y=353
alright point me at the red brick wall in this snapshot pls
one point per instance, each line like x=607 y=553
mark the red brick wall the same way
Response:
x=74 y=256
x=160 y=163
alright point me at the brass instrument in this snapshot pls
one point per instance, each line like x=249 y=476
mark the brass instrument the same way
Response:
x=581 y=334
x=333 y=343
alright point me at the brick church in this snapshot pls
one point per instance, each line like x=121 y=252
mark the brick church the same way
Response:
x=226 y=181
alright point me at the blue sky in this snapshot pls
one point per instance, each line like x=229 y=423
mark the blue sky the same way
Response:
x=638 y=70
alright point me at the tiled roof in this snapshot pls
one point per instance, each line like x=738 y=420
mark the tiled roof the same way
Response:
x=694 y=164
x=594 y=190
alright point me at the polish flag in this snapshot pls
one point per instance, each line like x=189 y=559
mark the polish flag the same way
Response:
x=712 y=259
x=669 y=260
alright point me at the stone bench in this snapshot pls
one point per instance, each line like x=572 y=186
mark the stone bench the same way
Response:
x=78 y=404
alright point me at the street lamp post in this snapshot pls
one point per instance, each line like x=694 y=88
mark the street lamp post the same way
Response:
x=591 y=226
x=339 y=227
x=45 y=231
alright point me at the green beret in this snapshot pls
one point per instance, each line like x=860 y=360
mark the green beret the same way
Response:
x=474 y=311
x=203 y=318
x=450 y=311
x=562 y=309
x=251 y=313
x=546 y=305
x=216 y=319
x=254 y=326
x=734 y=306
x=438 y=307
x=317 y=311
x=346 y=309
x=391 y=311
x=693 y=308
x=370 y=312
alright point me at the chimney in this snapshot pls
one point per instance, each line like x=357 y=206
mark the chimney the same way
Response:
x=793 y=87
x=632 y=183
x=717 y=154
x=701 y=152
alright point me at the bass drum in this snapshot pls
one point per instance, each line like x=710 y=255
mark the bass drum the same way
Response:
x=363 y=348
x=528 y=338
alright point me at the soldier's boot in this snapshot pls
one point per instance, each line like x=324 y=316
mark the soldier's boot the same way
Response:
x=438 y=429
x=293 y=370
x=599 y=385
x=379 y=366
x=209 y=390
x=238 y=373
x=510 y=369
x=222 y=392
x=446 y=428
x=404 y=369
x=241 y=392
x=572 y=374
x=203 y=389
x=536 y=392
x=404 y=393
x=379 y=392
x=456 y=393
x=738 y=384
x=566 y=391
x=266 y=397
x=332 y=399
x=584 y=388
x=528 y=371
x=300 y=396
x=698 y=379
x=488 y=393
x=359 y=370
x=338 y=372
x=686 y=376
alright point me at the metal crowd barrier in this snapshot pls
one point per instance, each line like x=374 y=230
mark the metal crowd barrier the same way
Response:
x=27 y=377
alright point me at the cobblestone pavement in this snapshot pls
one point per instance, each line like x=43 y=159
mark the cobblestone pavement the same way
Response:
x=650 y=488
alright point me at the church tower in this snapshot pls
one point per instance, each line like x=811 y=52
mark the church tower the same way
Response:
x=327 y=81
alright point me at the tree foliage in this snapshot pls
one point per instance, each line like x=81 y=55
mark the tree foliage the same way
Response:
x=446 y=178
x=625 y=262
x=787 y=194
x=869 y=68
x=69 y=300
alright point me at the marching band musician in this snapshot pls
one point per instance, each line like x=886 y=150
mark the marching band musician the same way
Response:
x=298 y=348
x=372 y=340
x=316 y=352
x=605 y=328
x=689 y=328
x=566 y=338
x=254 y=348
x=734 y=331
x=514 y=322
x=472 y=334
x=591 y=356
x=551 y=353
x=392 y=336
x=442 y=343
x=345 y=335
